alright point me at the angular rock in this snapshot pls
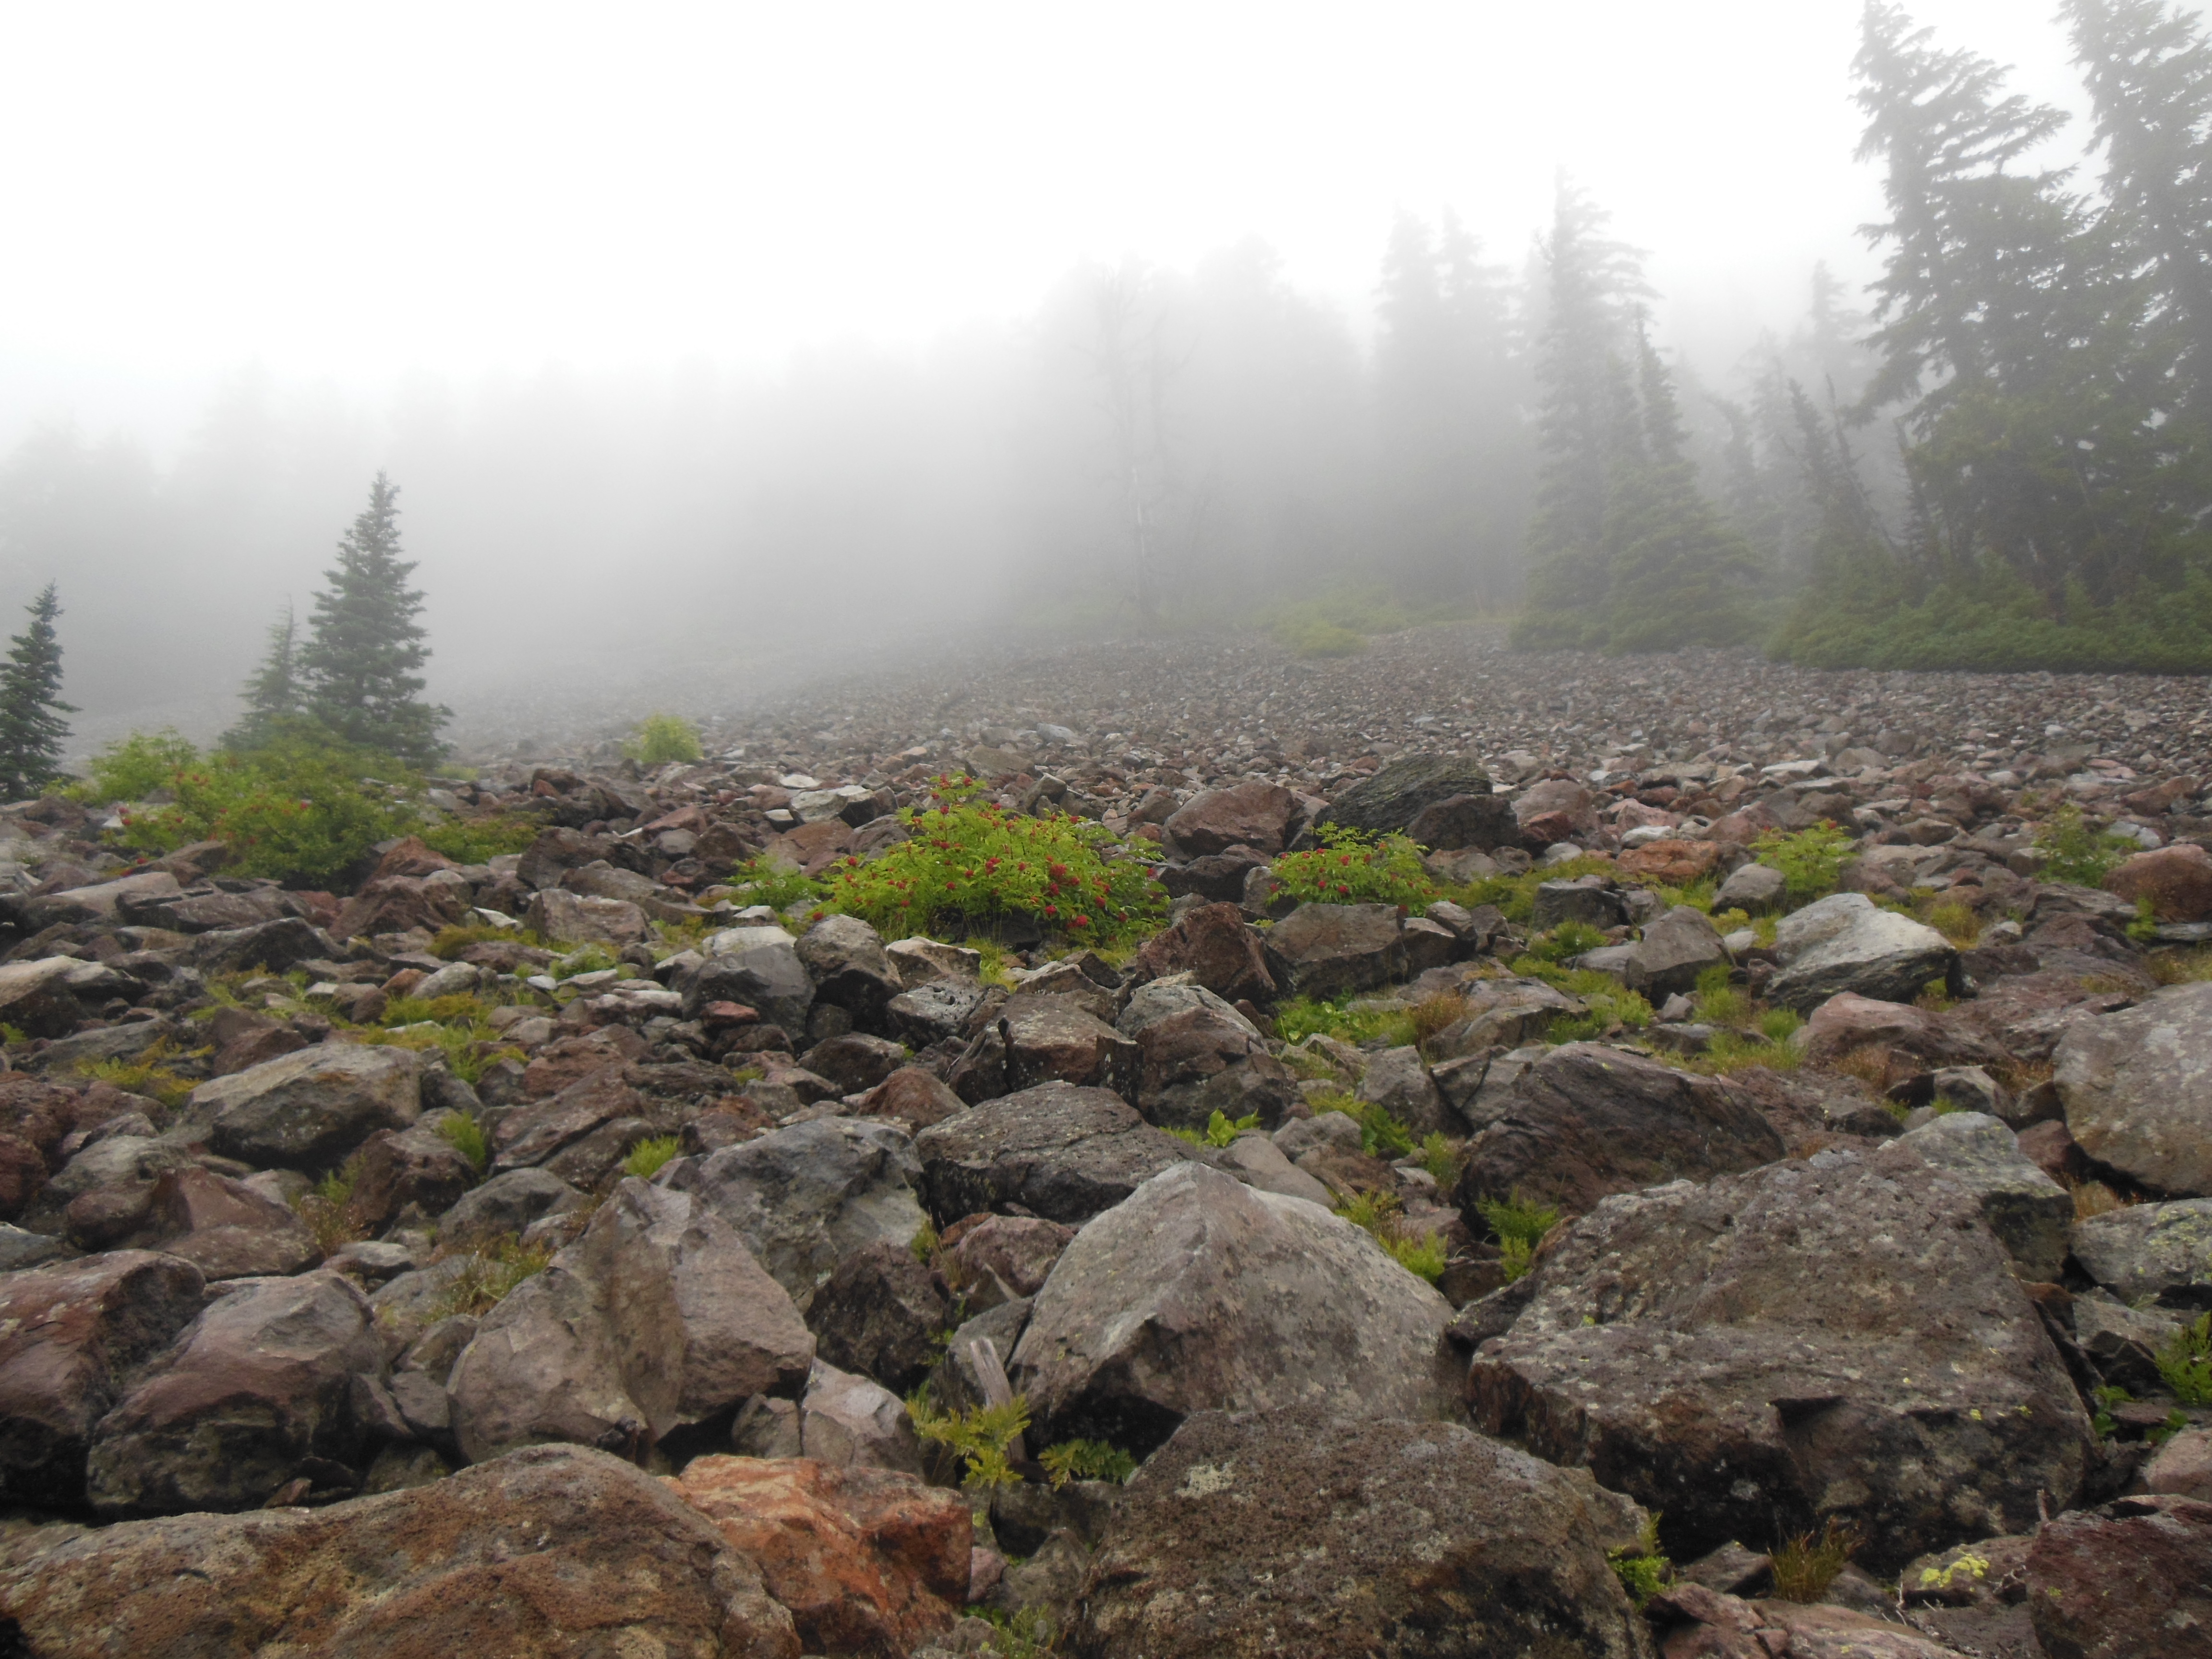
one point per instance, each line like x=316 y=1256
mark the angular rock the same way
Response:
x=1058 y=1151
x=1593 y=900
x=1672 y=863
x=417 y=1166
x=1208 y=1059
x=276 y=947
x=854 y=1063
x=545 y=1132
x=1903 y=1038
x=1050 y=1039
x=880 y=1316
x=70 y=1335
x=1398 y=1082
x=1286 y=1534
x=1255 y=815
x=806 y=1197
x=307 y=1111
x=2137 y=1090
x=2132 y=1579
x=1673 y=951
x=1200 y=1293
x=1212 y=944
x=658 y=1319
x=1255 y=1159
x=568 y=918
x=934 y=1011
x=845 y=959
x=2176 y=879
x=2161 y=1251
x=502 y=1207
x=854 y=1422
x=867 y=1561
x=994 y=1259
x=758 y=968
x=1458 y=824
x=1844 y=943
x=35 y=998
x=2183 y=1467
x=225 y=1228
x=913 y=1098
x=1328 y=949
x=1753 y=889
x=259 y=1391
x=1402 y=790
x=1585 y=1121
x=556 y=1552
x=2030 y=1213
x=1673 y=1344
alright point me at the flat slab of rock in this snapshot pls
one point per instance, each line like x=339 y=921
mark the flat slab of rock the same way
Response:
x=2159 y=1251
x=1256 y=814
x=1200 y=1293
x=1677 y=1343
x=2030 y=1213
x=1845 y=943
x=1059 y=1152
x=306 y=1111
x=559 y=1552
x=2134 y=1578
x=1293 y=1535
x=2137 y=1088
x=1330 y=950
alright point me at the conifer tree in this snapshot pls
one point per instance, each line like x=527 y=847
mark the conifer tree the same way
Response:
x=274 y=697
x=359 y=665
x=31 y=731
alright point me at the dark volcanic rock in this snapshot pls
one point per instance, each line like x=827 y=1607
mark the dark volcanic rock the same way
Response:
x=1058 y=1151
x=1395 y=796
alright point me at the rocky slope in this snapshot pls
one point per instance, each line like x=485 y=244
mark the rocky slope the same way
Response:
x=1573 y=1258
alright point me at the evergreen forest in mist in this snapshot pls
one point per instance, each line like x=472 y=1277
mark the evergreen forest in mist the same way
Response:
x=1998 y=457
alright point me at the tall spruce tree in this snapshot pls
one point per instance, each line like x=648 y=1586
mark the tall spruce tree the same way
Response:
x=32 y=730
x=1590 y=283
x=275 y=696
x=359 y=664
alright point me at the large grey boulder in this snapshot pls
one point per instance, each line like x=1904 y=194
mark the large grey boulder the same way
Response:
x=1586 y=1121
x=845 y=959
x=1328 y=949
x=568 y=918
x=806 y=1197
x=2030 y=1213
x=35 y=998
x=2137 y=1088
x=1205 y=1057
x=308 y=1110
x=1405 y=788
x=1845 y=943
x=1673 y=951
x=2157 y=1250
x=557 y=1551
x=1200 y=1293
x=1398 y=1081
x=1058 y=1151
x=502 y=1206
x=259 y=1390
x=72 y=1334
x=1677 y=1344
x=1297 y=1535
x=758 y=966
x=656 y=1320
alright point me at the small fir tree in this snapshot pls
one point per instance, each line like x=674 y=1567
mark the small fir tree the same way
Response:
x=274 y=697
x=31 y=731
x=359 y=666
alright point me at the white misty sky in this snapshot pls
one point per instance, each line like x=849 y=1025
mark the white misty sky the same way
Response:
x=353 y=192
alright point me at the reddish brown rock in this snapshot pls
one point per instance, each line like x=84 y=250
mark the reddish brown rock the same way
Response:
x=1902 y=1038
x=398 y=903
x=867 y=1560
x=1675 y=863
x=23 y=1174
x=417 y=1166
x=2125 y=1581
x=915 y=1098
x=2177 y=880
x=815 y=846
x=572 y=1059
x=225 y=1228
x=1213 y=944
x=409 y=856
x=1009 y=1255
x=1255 y=814
x=41 y=1113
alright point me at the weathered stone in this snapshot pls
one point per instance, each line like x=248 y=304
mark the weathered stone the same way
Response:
x=258 y=1391
x=1753 y=888
x=1904 y=1039
x=570 y=918
x=2176 y=879
x=854 y=1062
x=1255 y=815
x=1050 y=1039
x=1673 y=1344
x=757 y=967
x=1672 y=952
x=225 y=1228
x=879 y=1314
x=1289 y=1535
x=2122 y=1342
x=845 y=959
x=867 y=1561
x=806 y=1197
x=1200 y=1293
x=1476 y=822
x=36 y=996
x=307 y=1111
x=399 y=904
x=502 y=1207
x=2137 y=1088
x=994 y=1259
x=913 y=1098
x=1674 y=863
x=1214 y=947
x=1331 y=949
x=70 y=1335
x=1255 y=1159
x=2130 y=1580
x=2158 y=1251
x=1593 y=900
x=1844 y=943
x=557 y=1552
x=540 y=1132
x=418 y=1165
x=2183 y=1467
x=1402 y=790
x=276 y=947
x=1586 y=1121
x=2030 y=1213
x=1058 y=1151
x=1397 y=1081
x=571 y=1058
x=854 y=1422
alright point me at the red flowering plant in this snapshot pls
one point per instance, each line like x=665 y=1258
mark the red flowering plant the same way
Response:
x=967 y=861
x=1350 y=868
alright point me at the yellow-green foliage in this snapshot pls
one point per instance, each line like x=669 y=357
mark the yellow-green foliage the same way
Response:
x=328 y=1208
x=1086 y=1460
x=923 y=1245
x=1353 y=867
x=1381 y=1135
x=1220 y=1130
x=2185 y=1362
x=1440 y=1156
x=979 y=1436
x=1421 y=1253
x=466 y=1136
x=1304 y=1017
x=490 y=1274
x=646 y=1158
x=1805 y=1566
x=479 y=841
x=1810 y=861
x=1519 y=1227
x=145 y=1075
x=662 y=738
x=2075 y=853
x=1642 y=1570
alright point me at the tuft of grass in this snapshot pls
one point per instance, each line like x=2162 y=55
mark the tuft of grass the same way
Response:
x=479 y=841
x=490 y=1275
x=1780 y=1024
x=2179 y=966
x=586 y=959
x=2077 y=854
x=662 y=738
x=1957 y=922
x=1643 y=1569
x=1086 y=1460
x=980 y=1435
x=466 y=1136
x=1810 y=861
x=1720 y=1002
x=646 y=1158
x=1805 y=1566
x=1565 y=942
x=1376 y=1215
x=923 y=1245
x=2185 y=1362
x=1519 y=1226
x=328 y=1208
x=1381 y=1135
x=146 y=1075
x=1433 y=1014
x=1304 y=1017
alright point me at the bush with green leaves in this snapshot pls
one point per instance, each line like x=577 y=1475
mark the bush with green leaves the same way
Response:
x=1220 y=1130
x=1810 y=861
x=980 y=1435
x=1519 y=1226
x=1086 y=1460
x=973 y=862
x=1354 y=867
x=2075 y=853
x=2185 y=1362
x=662 y=738
x=479 y=841
x=774 y=883
x=466 y=1136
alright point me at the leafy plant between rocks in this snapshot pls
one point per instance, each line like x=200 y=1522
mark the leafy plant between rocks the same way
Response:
x=1381 y=1135
x=145 y=1075
x=490 y=1275
x=327 y=1208
x=1811 y=860
x=2073 y=852
x=662 y=738
x=2185 y=1362
x=1641 y=1567
x=1220 y=1130
x=466 y=1136
x=1804 y=1566
x=1377 y=1215
x=1520 y=1226
x=980 y=1435
x=647 y=1157
x=1086 y=1460
x=1351 y=867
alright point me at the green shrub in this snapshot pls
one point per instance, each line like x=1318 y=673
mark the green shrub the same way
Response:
x=1519 y=1227
x=774 y=883
x=1810 y=861
x=490 y=1275
x=1376 y=1215
x=300 y=813
x=662 y=738
x=923 y=1245
x=145 y=1075
x=1086 y=1460
x=1644 y=1572
x=1335 y=623
x=1381 y=1135
x=1780 y=1025
x=1440 y=1156
x=974 y=860
x=1304 y=1017
x=2075 y=853
x=479 y=841
x=979 y=1436
x=1221 y=1130
x=2185 y=1362
x=466 y=1136
x=132 y=768
x=1353 y=867
x=646 y=1158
